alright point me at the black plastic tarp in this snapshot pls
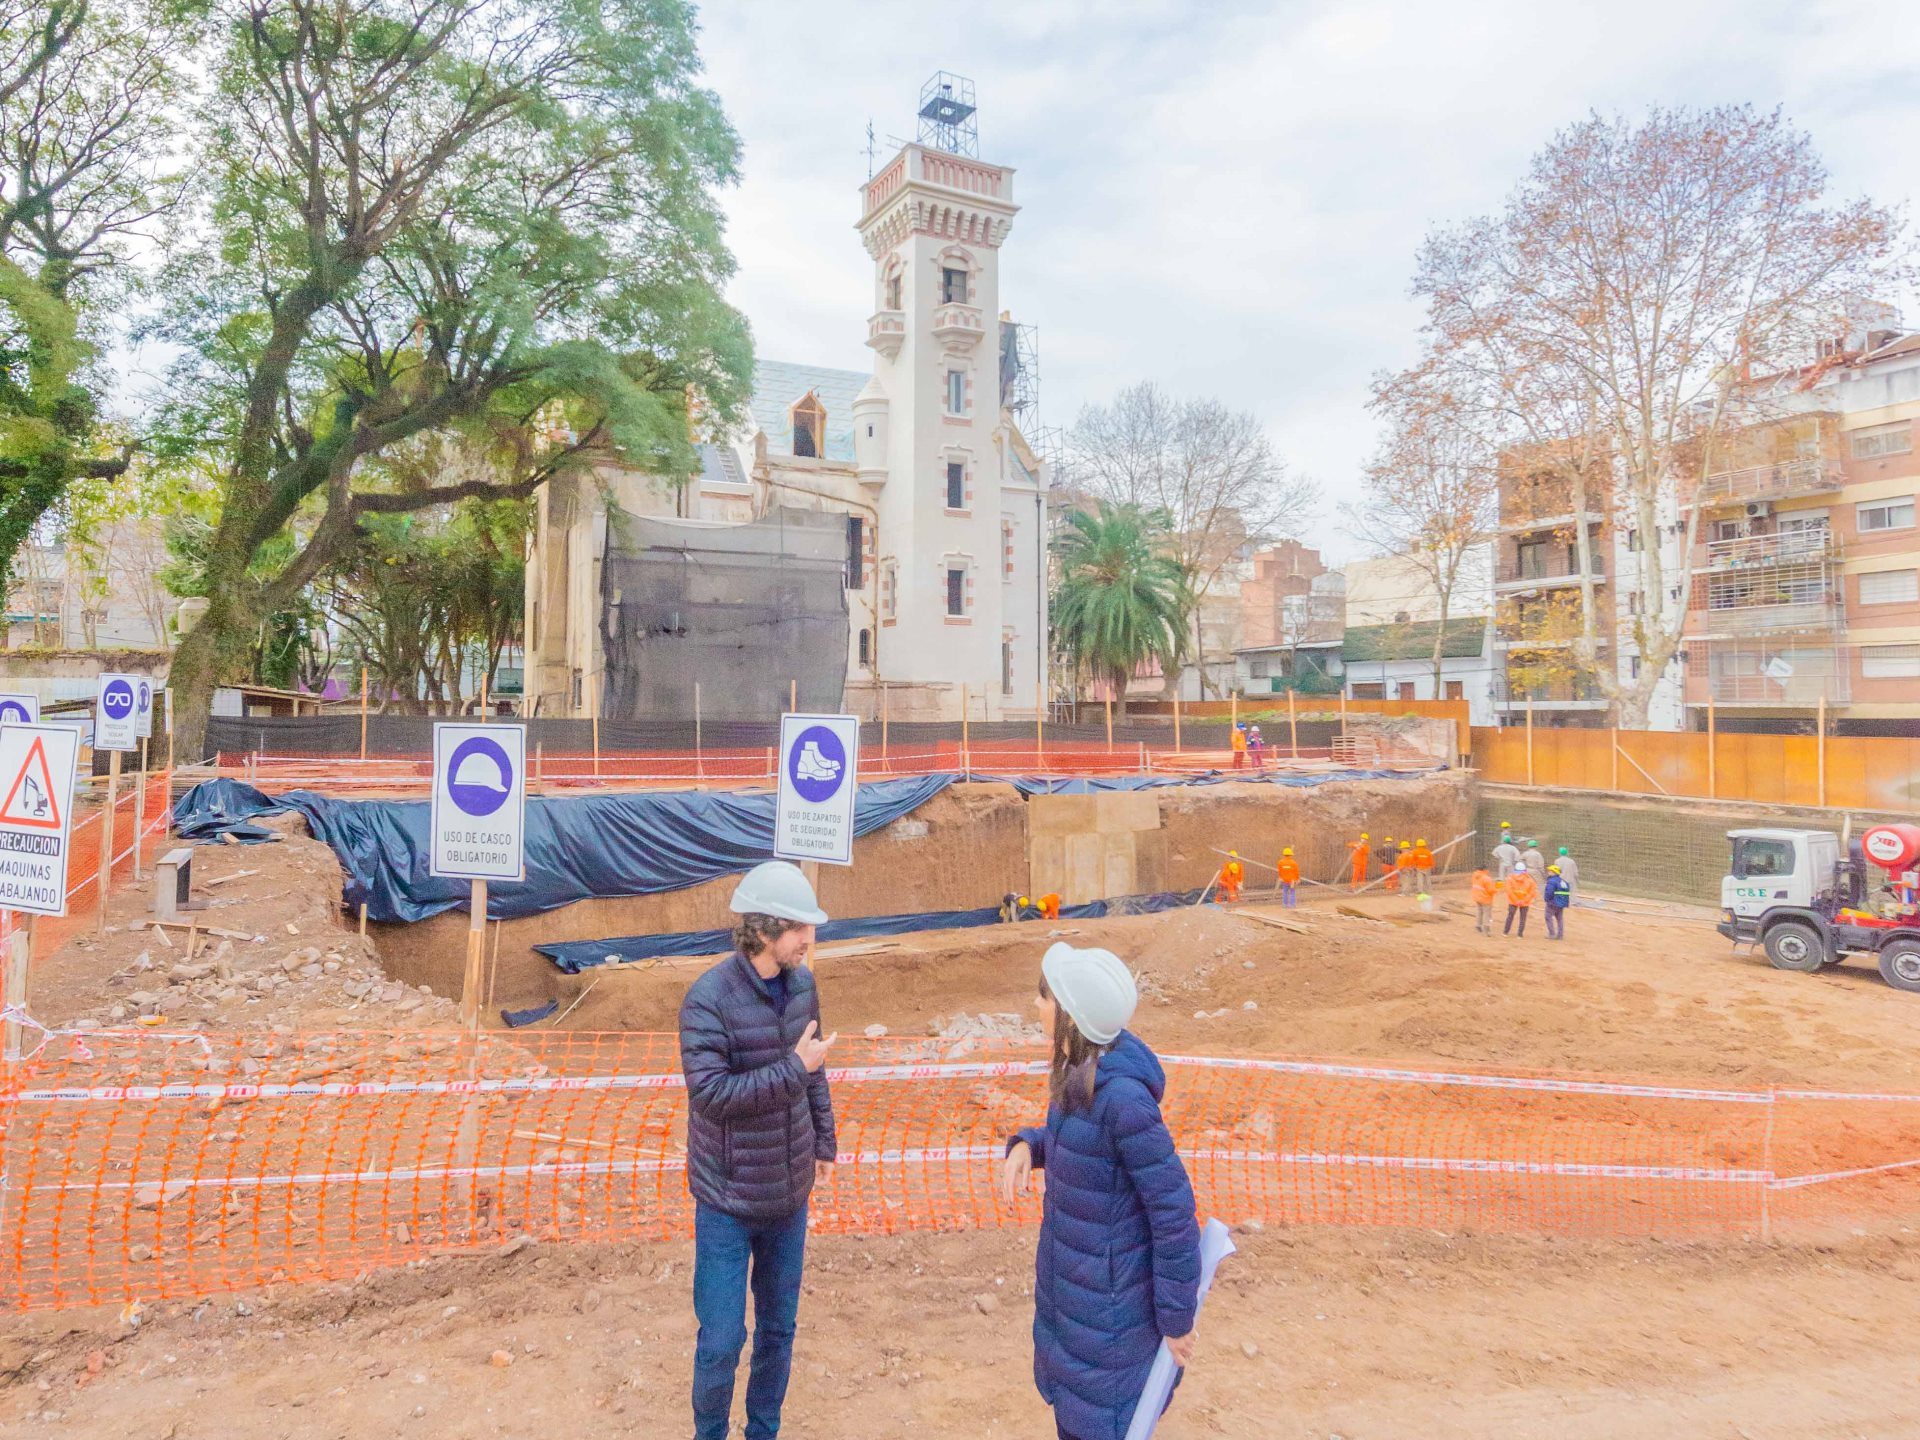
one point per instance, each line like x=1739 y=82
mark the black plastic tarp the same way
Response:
x=577 y=847
x=1092 y=784
x=573 y=956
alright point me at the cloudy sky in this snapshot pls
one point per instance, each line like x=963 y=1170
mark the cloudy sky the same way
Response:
x=1225 y=197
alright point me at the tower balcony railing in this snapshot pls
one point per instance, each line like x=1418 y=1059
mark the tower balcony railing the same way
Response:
x=1792 y=547
x=1780 y=481
x=1822 y=613
x=887 y=331
x=1514 y=573
x=957 y=324
x=1515 y=689
x=1759 y=674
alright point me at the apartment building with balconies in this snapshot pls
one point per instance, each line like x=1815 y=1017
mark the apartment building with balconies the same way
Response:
x=1543 y=585
x=1805 y=600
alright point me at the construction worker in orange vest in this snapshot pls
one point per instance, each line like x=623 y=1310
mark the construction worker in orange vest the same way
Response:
x=1231 y=876
x=1485 y=888
x=1050 y=906
x=1289 y=869
x=1522 y=889
x=1406 y=875
x=1360 y=853
x=1423 y=862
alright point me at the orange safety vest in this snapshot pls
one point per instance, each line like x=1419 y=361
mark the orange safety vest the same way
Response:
x=1232 y=873
x=1289 y=869
x=1050 y=907
x=1483 y=888
x=1521 y=888
x=1422 y=858
x=1239 y=739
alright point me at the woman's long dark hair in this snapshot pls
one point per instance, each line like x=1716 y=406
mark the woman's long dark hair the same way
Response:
x=1075 y=1060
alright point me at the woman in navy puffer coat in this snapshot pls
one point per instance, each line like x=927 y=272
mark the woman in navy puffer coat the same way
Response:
x=1119 y=1257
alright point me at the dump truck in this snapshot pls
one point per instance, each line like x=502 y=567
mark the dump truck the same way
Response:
x=1810 y=898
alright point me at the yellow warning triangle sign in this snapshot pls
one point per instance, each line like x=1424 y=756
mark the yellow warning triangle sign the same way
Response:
x=31 y=799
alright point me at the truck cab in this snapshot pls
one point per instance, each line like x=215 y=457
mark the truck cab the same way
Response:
x=1797 y=869
x=1798 y=895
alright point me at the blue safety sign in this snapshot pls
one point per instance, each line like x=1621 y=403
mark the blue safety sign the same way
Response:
x=819 y=775
x=116 y=723
x=479 y=802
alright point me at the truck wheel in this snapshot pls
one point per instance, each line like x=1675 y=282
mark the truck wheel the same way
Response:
x=1900 y=965
x=1793 y=945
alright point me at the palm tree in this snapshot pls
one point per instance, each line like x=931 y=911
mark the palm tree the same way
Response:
x=1122 y=598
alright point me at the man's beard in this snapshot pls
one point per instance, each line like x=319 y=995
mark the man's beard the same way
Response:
x=790 y=963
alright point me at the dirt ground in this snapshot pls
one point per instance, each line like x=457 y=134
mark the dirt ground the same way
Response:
x=1312 y=1332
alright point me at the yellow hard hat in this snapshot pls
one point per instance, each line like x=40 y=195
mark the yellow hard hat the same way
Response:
x=1025 y=901
x=1406 y=844
x=1365 y=836
x=1419 y=842
x=1287 y=851
x=1233 y=854
x=1506 y=824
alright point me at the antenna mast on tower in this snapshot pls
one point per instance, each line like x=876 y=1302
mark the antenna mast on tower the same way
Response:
x=947 y=115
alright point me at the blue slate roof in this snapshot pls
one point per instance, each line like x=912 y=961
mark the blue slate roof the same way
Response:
x=778 y=385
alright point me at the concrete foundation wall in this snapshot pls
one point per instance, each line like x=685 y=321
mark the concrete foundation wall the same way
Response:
x=1660 y=848
x=963 y=849
x=973 y=843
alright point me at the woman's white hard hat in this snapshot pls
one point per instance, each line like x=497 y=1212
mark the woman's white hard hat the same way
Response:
x=777 y=888
x=1094 y=987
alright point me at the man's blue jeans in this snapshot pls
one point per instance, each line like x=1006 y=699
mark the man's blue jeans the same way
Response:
x=726 y=1252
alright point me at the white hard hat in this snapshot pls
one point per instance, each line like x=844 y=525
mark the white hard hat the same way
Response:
x=777 y=888
x=1094 y=987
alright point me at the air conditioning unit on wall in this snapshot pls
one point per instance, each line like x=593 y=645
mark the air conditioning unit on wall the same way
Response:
x=1758 y=508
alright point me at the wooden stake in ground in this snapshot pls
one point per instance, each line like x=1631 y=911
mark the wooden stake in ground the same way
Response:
x=363 y=712
x=1820 y=797
x=965 y=734
x=1109 y=725
x=1176 y=716
x=1293 y=725
x=140 y=808
x=106 y=834
x=599 y=693
x=19 y=959
x=473 y=983
x=1713 y=785
x=1039 y=722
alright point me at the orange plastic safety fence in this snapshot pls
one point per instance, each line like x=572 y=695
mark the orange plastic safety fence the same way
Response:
x=559 y=772
x=154 y=1166
x=141 y=819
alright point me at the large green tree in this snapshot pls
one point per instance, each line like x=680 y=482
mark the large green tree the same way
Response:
x=494 y=219
x=86 y=106
x=1122 y=598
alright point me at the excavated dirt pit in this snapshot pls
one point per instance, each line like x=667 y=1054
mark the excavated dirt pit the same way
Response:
x=1314 y=1331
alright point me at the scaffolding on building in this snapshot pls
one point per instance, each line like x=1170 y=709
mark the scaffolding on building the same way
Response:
x=948 y=118
x=754 y=616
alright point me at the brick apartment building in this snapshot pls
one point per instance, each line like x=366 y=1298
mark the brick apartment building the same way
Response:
x=1805 y=566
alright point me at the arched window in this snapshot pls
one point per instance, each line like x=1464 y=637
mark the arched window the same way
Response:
x=809 y=425
x=893 y=291
x=866 y=649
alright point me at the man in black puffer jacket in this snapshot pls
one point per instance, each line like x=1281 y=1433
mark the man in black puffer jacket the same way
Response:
x=759 y=1134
